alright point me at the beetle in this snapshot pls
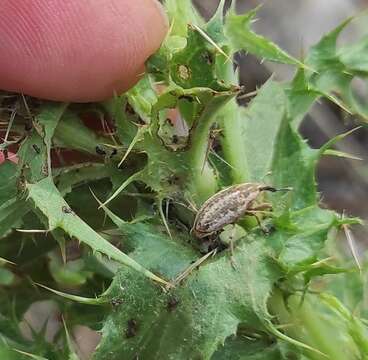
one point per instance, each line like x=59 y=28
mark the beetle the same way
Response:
x=228 y=206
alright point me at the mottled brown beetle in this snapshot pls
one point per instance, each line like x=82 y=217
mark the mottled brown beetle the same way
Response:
x=228 y=206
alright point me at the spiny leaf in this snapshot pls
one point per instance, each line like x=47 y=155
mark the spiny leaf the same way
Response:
x=334 y=140
x=49 y=119
x=46 y=197
x=246 y=129
x=204 y=311
x=195 y=66
x=241 y=37
x=181 y=13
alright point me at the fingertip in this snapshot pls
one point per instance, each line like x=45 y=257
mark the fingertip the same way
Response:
x=77 y=51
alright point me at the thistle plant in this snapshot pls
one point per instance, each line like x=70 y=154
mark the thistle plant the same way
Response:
x=109 y=239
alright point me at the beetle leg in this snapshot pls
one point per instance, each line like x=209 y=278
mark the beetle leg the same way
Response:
x=260 y=207
x=231 y=238
x=254 y=213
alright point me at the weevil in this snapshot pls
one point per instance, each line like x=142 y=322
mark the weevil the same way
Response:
x=228 y=206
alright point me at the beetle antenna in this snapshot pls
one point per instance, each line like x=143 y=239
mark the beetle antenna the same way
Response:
x=272 y=189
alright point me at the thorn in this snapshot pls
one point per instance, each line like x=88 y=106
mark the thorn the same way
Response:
x=208 y=38
x=192 y=267
x=351 y=242
x=7 y=261
x=163 y=218
x=132 y=144
x=247 y=95
x=121 y=188
x=36 y=231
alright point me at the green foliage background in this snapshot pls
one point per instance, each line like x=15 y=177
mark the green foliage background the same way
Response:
x=291 y=295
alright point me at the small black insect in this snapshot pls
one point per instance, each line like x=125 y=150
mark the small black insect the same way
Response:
x=173 y=179
x=172 y=303
x=129 y=109
x=116 y=302
x=132 y=329
x=175 y=139
x=207 y=57
x=169 y=122
x=100 y=151
x=67 y=210
x=45 y=169
x=36 y=148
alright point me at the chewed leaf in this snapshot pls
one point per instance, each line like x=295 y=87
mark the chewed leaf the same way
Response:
x=49 y=119
x=205 y=309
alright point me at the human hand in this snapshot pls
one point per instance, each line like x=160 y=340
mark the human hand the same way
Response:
x=77 y=51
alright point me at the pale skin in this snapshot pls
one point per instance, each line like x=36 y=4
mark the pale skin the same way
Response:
x=77 y=51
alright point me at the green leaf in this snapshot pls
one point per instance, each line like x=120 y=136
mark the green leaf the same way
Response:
x=335 y=70
x=247 y=348
x=323 y=55
x=70 y=273
x=47 y=199
x=9 y=354
x=293 y=165
x=287 y=159
x=8 y=181
x=71 y=133
x=12 y=208
x=49 y=119
x=11 y=213
x=34 y=152
x=142 y=97
x=357 y=331
x=195 y=66
x=301 y=243
x=241 y=37
x=354 y=56
x=30 y=356
x=315 y=326
x=195 y=318
x=6 y=277
x=181 y=13
x=247 y=130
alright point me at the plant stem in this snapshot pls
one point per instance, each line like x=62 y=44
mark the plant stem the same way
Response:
x=307 y=326
x=204 y=179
